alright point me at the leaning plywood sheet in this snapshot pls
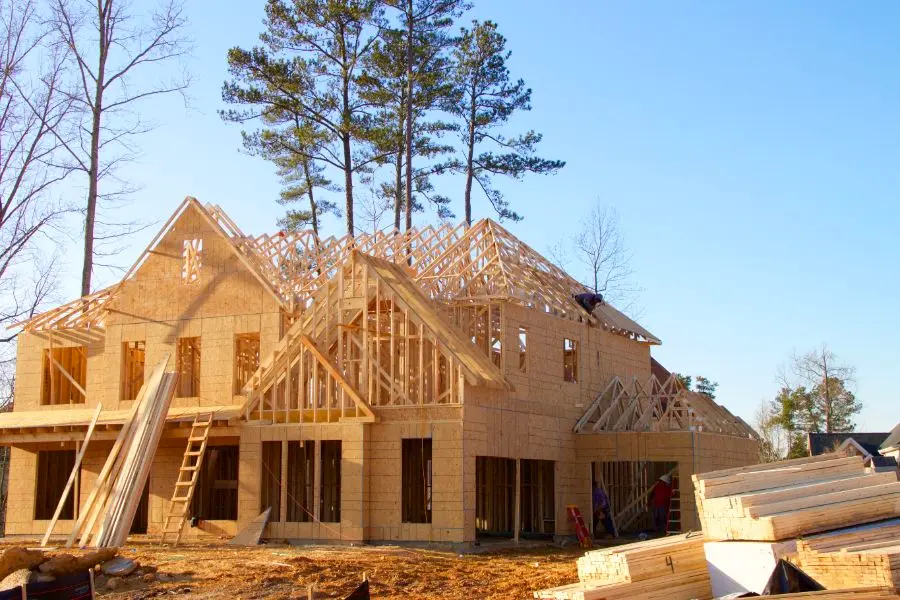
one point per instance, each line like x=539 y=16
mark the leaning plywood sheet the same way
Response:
x=251 y=534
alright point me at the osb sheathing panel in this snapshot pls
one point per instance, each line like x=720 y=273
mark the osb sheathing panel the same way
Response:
x=156 y=306
x=542 y=389
x=354 y=484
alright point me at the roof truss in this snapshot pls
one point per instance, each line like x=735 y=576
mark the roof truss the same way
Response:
x=657 y=406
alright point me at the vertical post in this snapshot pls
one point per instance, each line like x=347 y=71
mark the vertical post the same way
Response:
x=517 y=520
x=283 y=483
x=76 y=489
x=317 y=483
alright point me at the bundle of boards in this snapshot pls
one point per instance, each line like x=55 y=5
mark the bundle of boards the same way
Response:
x=860 y=556
x=106 y=516
x=787 y=499
x=764 y=512
x=670 y=567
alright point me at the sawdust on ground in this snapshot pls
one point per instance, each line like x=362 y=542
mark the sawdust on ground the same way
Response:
x=269 y=572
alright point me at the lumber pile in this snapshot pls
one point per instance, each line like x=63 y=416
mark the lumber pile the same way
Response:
x=672 y=567
x=105 y=518
x=856 y=557
x=643 y=560
x=752 y=517
x=788 y=499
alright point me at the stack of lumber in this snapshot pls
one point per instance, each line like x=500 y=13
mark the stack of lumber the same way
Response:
x=106 y=517
x=672 y=567
x=787 y=499
x=643 y=560
x=856 y=557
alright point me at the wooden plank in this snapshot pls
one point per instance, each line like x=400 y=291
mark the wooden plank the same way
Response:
x=72 y=476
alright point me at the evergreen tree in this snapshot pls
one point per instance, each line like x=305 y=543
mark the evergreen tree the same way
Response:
x=424 y=32
x=384 y=84
x=303 y=83
x=793 y=410
x=484 y=99
x=706 y=387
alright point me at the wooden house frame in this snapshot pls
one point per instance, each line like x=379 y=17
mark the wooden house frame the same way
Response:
x=423 y=366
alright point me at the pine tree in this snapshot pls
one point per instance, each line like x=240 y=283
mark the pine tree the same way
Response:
x=384 y=84
x=304 y=79
x=706 y=387
x=425 y=24
x=484 y=99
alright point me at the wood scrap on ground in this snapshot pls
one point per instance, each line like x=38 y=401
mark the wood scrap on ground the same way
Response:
x=250 y=535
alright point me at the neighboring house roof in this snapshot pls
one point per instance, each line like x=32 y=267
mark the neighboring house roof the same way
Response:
x=451 y=264
x=893 y=439
x=820 y=443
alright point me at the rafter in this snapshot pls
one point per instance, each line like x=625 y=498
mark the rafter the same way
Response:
x=451 y=264
x=657 y=406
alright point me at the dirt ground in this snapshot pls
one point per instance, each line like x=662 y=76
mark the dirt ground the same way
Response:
x=286 y=572
x=271 y=572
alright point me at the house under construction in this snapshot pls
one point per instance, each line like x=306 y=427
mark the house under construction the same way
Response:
x=438 y=385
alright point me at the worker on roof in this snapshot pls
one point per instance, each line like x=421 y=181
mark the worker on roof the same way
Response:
x=660 y=499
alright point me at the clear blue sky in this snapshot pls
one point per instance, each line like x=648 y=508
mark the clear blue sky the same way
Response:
x=752 y=150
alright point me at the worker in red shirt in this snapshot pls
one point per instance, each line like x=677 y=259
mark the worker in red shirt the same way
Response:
x=659 y=503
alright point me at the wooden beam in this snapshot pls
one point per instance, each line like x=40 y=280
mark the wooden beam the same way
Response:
x=72 y=476
x=67 y=376
x=517 y=519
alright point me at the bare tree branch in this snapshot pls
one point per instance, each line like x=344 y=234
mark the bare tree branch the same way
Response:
x=602 y=261
x=31 y=106
x=110 y=47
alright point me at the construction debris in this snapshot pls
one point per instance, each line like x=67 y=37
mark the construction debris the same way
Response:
x=767 y=506
x=116 y=494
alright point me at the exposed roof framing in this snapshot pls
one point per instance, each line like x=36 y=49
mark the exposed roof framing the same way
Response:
x=657 y=406
x=369 y=339
x=451 y=264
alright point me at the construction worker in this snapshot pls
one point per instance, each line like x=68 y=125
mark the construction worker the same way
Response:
x=660 y=499
x=602 y=511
